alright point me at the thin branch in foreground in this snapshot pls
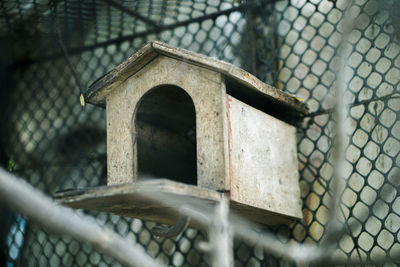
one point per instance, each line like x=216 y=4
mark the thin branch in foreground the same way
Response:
x=203 y=213
x=221 y=237
x=27 y=200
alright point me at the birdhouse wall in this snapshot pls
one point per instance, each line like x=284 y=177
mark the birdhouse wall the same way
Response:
x=263 y=166
x=207 y=90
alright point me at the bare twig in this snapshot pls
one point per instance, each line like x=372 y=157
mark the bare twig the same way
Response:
x=25 y=199
x=68 y=61
x=394 y=95
x=65 y=51
x=174 y=230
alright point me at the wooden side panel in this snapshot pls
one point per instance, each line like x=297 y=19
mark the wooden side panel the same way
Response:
x=263 y=160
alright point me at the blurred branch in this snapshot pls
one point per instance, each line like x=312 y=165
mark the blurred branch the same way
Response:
x=220 y=244
x=203 y=213
x=336 y=184
x=132 y=13
x=25 y=199
x=289 y=249
x=133 y=36
x=245 y=230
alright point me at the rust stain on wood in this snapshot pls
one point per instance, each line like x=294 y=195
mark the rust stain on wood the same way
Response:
x=228 y=116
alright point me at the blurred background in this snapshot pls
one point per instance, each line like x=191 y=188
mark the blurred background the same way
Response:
x=52 y=50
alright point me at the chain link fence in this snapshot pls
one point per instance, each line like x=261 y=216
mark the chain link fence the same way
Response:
x=50 y=50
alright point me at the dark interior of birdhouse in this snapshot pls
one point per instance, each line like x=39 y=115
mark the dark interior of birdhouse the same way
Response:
x=165 y=132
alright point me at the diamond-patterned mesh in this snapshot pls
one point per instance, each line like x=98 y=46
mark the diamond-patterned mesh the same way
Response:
x=47 y=137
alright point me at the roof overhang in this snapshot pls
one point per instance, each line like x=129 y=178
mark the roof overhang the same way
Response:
x=240 y=83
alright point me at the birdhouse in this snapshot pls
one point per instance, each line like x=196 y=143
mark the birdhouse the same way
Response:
x=205 y=128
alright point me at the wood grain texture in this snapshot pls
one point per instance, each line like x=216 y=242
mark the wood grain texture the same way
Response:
x=158 y=200
x=246 y=82
x=263 y=160
x=207 y=91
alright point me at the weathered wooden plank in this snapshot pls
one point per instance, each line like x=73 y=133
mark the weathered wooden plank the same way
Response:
x=98 y=90
x=96 y=93
x=137 y=200
x=239 y=75
x=262 y=160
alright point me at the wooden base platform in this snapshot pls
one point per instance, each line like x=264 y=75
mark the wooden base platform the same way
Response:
x=158 y=200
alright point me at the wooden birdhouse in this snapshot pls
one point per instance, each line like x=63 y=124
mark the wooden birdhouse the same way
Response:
x=208 y=127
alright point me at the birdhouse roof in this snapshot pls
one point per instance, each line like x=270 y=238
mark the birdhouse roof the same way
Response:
x=239 y=83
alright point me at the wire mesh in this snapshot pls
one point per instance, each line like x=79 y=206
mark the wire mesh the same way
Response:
x=47 y=137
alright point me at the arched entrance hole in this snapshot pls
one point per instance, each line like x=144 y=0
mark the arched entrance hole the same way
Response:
x=166 y=135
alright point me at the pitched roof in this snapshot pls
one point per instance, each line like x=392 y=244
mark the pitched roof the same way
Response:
x=239 y=83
